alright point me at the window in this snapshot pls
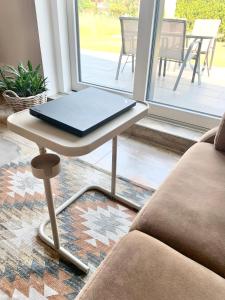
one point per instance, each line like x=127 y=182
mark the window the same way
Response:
x=106 y=38
x=190 y=69
x=115 y=45
x=107 y=35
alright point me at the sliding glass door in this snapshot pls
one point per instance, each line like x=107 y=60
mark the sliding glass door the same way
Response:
x=151 y=51
x=106 y=37
x=188 y=83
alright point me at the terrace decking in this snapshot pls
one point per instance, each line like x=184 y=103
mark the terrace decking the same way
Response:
x=209 y=97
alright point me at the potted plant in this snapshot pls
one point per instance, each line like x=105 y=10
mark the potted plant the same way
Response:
x=22 y=87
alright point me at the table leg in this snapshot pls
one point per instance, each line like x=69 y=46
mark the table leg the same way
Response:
x=160 y=67
x=51 y=211
x=42 y=150
x=197 y=61
x=114 y=166
x=55 y=243
x=199 y=72
x=113 y=193
x=133 y=63
x=212 y=54
x=164 y=67
x=51 y=207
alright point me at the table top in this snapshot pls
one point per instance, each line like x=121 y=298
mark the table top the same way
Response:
x=62 y=142
x=193 y=36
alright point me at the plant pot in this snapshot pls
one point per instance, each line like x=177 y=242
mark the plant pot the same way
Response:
x=20 y=103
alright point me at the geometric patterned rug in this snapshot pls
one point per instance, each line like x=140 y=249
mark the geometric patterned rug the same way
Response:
x=88 y=228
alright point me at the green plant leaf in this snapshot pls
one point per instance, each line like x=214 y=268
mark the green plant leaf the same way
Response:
x=30 y=67
x=25 y=81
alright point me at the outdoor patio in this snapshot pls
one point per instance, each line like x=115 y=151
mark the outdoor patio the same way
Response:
x=100 y=68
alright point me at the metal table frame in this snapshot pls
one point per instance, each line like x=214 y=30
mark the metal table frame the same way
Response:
x=55 y=243
x=198 y=54
x=197 y=67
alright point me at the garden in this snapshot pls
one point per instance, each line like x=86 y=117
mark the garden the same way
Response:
x=100 y=27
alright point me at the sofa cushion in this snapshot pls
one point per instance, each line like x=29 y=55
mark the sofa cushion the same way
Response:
x=220 y=136
x=142 y=268
x=188 y=211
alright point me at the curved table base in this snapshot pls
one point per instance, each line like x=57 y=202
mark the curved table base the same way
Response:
x=55 y=243
x=61 y=250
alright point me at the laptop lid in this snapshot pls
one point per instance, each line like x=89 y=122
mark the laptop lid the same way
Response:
x=84 y=111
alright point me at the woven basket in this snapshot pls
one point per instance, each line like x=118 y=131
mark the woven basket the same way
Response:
x=20 y=103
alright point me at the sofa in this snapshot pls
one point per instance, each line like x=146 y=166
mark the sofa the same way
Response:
x=175 y=249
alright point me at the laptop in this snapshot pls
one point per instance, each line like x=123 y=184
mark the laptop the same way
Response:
x=82 y=112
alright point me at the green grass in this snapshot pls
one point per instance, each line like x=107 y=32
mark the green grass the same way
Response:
x=102 y=33
x=219 y=58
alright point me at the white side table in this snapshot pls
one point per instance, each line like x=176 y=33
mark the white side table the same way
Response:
x=61 y=142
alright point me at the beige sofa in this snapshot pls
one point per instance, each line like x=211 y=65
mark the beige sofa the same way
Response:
x=176 y=247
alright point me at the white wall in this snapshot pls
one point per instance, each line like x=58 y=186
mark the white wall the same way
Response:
x=19 y=39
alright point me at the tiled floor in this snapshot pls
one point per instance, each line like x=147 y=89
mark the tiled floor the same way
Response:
x=208 y=97
x=138 y=160
x=100 y=69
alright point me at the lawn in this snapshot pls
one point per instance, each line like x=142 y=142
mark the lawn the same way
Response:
x=102 y=33
x=219 y=60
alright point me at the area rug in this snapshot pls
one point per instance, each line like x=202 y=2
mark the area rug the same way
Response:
x=88 y=228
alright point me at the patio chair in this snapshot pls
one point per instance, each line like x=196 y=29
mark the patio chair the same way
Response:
x=172 y=46
x=172 y=42
x=129 y=32
x=207 y=27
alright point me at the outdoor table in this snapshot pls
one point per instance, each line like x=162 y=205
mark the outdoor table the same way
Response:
x=199 y=38
x=47 y=136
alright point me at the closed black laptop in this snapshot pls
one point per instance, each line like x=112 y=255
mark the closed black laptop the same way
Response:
x=84 y=111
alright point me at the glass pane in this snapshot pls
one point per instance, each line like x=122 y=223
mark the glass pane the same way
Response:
x=108 y=40
x=191 y=57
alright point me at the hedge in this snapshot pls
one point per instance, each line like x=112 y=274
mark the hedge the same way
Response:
x=202 y=9
x=123 y=7
x=116 y=7
x=87 y=5
x=189 y=9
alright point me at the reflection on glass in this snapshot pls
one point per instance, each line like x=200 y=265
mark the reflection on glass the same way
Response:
x=191 y=63
x=108 y=40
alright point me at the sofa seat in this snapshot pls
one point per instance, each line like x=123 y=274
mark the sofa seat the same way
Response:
x=143 y=268
x=188 y=211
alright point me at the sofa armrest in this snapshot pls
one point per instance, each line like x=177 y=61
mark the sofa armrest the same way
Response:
x=209 y=136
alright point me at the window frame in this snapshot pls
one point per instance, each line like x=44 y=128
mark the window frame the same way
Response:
x=59 y=41
x=147 y=10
